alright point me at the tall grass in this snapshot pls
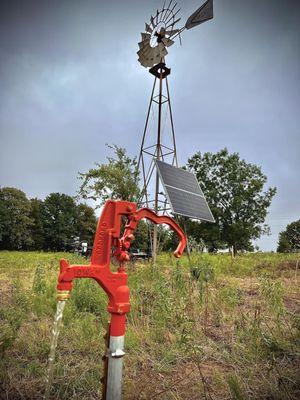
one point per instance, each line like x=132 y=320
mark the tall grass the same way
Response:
x=209 y=327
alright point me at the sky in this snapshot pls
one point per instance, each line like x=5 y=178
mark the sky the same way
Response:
x=70 y=83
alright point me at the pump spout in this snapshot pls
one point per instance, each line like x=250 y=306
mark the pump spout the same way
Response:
x=114 y=284
x=65 y=280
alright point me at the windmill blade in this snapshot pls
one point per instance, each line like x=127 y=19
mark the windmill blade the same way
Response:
x=162 y=11
x=169 y=13
x=167 y=42
x=204 y=13
x=151 y=57
x=160 y=46
x=144 y=43
x=145 y=36
x=140 y=53
x=156 y=16
x=173 y=23
x=145 y=52
x=162 y=51
x=148 y=28
x=143 y=62
x=156 y=59
x=166 y=11
x=173 y=16
x=152 y=21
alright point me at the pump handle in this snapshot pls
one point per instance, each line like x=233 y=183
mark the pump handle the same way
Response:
x=134 y=219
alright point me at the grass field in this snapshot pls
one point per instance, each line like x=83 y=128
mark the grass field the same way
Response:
x=211 y=328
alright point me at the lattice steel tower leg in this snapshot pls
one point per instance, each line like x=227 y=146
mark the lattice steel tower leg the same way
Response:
x=162 y=149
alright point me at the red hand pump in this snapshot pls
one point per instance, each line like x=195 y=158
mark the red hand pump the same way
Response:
x=107 y=237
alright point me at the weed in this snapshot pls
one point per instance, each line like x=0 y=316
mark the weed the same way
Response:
x=235 y=388
x=273 y=294
x=39 y=281
x=230 y=296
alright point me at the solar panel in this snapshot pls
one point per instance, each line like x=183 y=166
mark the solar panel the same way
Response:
x=183 y=192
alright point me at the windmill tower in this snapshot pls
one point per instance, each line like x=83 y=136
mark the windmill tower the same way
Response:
x=158 y=141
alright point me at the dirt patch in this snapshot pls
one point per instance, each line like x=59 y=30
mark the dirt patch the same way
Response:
x=287 y=265
x=292 y=304
x=189 y=380
x=264 y=265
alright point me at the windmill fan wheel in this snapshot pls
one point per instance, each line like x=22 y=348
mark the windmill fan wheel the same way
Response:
x=158 y=36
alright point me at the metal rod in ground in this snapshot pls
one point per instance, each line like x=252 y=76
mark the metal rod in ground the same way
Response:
x=115 y=366
x=105 y=360
x=154 y=244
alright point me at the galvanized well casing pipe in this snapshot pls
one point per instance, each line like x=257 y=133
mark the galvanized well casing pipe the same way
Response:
x=115 y=364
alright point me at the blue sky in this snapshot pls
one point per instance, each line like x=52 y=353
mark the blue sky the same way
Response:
x=70 y=82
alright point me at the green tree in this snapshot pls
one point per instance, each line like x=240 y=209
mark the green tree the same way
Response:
x=141 y=236
x=117 y=179
x=59 y=220
x=15 y=221
x=235 y=192
x=86 y=223
x=289 y=239
x=206 y=232
x=37 y=227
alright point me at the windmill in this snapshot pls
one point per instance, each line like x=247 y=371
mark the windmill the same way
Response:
x=158 y=145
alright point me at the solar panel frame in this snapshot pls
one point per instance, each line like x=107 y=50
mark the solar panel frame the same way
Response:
x=165 y=172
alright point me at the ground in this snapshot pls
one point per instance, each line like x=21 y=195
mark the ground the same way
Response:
x=205 y=328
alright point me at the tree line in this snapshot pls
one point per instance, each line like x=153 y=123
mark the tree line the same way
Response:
x=34 y=224
x=235 y=191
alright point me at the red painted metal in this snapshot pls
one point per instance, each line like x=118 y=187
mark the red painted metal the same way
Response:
x=107 y=237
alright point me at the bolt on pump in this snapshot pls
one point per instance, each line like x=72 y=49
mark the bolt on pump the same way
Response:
x=114 y=284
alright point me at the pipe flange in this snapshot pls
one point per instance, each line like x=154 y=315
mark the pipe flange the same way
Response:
x=63 y=295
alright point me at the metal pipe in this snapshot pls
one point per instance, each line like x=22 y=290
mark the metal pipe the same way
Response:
x=115 y=365
x=158 y=156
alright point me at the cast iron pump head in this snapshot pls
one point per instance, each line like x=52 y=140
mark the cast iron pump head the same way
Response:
x=107 y=237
